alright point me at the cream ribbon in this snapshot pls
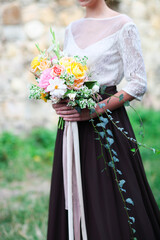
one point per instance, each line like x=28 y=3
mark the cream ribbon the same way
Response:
x=72 y=181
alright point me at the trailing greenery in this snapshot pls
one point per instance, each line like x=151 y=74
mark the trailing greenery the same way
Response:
x=103 y=132
x=106 y=133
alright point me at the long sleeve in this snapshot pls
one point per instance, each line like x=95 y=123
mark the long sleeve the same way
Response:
x=129 y=46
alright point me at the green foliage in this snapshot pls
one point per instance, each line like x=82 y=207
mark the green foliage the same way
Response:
x=90 y=84
x=20 y=154
x=8 y=147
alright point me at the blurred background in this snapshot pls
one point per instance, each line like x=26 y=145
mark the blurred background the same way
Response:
x=28 y=128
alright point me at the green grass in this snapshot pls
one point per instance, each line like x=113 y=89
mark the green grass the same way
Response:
x=26 y=162
x=24 y=217
x=28 y=153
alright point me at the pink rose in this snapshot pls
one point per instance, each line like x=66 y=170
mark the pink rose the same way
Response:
x=44 y=79
x=57 y=70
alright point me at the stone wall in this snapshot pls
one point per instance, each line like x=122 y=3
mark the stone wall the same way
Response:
x=25 y=22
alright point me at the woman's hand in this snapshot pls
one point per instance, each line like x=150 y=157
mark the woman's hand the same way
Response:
x=71 y=114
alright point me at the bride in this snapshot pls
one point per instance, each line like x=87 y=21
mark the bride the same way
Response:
x=111 y=42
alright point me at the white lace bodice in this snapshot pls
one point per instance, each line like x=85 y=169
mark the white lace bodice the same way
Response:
x=113 y=48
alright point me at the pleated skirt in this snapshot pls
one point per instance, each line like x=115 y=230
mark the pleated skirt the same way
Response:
x=106 y=217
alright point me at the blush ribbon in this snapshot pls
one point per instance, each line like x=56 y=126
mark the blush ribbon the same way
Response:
x=73 y=182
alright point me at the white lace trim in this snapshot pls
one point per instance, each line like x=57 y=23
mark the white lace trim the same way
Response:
x=114 y=53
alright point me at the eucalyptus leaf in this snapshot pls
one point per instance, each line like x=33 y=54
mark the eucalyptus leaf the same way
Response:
x=133 y=230
x=122 y=189
x=129 y=200
x=101 y=105
x=127 y=103
x=101 y=125
x=110 y=164
x=102 y=134
x=121 y=97
x=106 y=146
x=125 y=132
x=119 y=171
x=91 y=120
x=130 y=222
x=105 y=120
x=132 y=218
x=127 y=208
x=121 y=182
x=120 y=129
x=109 y=132
x=109 y=110
x=115 y=159
x=114 y=152
x=110 y=140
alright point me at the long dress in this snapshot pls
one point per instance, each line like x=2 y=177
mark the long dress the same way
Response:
x=113 y=48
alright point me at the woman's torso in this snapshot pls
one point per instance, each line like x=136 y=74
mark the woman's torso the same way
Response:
x=97 y=38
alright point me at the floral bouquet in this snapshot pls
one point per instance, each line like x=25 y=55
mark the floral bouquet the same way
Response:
x=59 y=76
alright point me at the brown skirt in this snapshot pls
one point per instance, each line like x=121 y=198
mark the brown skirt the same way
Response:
x=105 y=215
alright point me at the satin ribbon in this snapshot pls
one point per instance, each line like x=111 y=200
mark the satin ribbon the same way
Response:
x=72 y=182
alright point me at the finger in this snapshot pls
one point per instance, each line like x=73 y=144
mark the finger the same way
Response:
x=70 y=115
x=68 y=112
x=58 y=105
x=65 y=108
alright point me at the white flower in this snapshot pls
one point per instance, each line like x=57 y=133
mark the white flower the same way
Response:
x=72 y=96
x=57 y=87
x=95 y=88
x=54 y=100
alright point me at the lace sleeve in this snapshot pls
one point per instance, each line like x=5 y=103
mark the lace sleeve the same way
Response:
x=129 y=45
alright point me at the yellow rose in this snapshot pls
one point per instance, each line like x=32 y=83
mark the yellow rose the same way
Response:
x=66 y=61
x=44 y=64
x=35 y=62
x=78 y=70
